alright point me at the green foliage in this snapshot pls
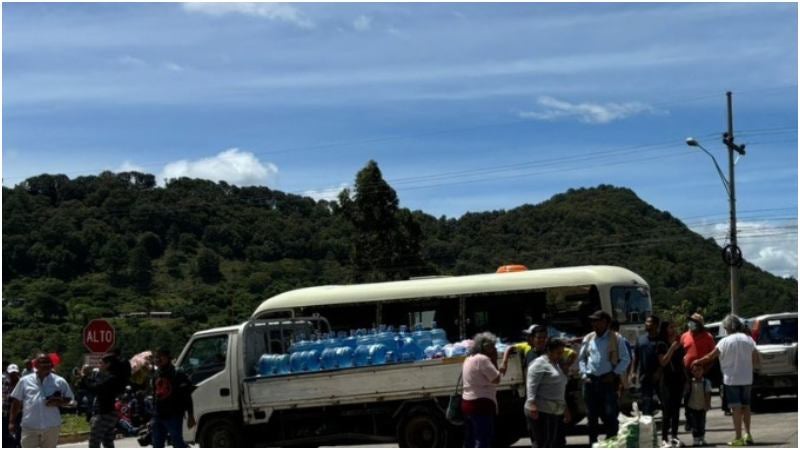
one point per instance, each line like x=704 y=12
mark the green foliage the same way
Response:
x=207 y=266
x=140 y=271
x=386 y=243
x=114 y=244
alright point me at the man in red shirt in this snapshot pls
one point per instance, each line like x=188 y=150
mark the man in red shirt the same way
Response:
x=697 y=343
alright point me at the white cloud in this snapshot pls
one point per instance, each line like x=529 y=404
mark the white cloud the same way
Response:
x=272 y=11
x=330 y=194
x=362 y=23
x=232 y=166
x=128 y=166
x=595 y=113
x=173 y=67
x=131 y=61
x=770 y=245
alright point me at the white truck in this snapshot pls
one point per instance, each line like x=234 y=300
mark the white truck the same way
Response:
x=776 y=341
x=402 y=402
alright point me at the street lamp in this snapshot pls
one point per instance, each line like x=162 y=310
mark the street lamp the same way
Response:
x=692 y=142
x=731 y=253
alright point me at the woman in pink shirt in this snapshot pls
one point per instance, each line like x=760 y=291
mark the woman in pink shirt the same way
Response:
x=479 y=399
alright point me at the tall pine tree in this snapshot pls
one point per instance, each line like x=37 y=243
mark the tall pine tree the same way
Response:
x=386 y=244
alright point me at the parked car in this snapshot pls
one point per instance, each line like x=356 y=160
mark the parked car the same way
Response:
x=776 y=340
x=716 y=330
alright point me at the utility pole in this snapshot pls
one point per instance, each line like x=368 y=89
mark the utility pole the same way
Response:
x=733 y=255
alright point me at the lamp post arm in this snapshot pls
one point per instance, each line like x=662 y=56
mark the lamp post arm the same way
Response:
x=719 y=171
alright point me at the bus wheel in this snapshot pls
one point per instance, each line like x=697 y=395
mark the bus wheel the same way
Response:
x=219 y=433
x=422 y=428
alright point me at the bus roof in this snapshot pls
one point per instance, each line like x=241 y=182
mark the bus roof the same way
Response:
x=449 y=286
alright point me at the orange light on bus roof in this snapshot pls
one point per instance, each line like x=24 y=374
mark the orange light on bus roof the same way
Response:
x=511 y=268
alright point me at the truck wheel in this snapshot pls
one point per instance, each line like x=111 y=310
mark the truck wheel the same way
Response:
x=422 y=428
x=219 y=433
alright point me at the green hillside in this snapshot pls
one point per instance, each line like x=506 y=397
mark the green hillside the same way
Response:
x=108 y=245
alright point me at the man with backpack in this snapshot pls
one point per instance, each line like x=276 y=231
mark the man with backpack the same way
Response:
x=603 y=361
x=172 y=391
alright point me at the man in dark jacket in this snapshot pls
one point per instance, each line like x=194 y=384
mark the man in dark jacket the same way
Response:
x=108 y=383
x=172 y=393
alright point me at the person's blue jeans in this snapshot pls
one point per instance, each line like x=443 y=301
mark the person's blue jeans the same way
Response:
x=479 y=432
x=162 y=426
x=601 y=403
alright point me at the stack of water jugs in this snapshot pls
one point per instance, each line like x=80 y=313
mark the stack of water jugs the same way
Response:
x=361 y=348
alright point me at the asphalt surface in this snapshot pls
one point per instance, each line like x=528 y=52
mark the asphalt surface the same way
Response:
x=773 y=425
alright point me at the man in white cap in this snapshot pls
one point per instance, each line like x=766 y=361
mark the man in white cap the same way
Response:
x=9 y=383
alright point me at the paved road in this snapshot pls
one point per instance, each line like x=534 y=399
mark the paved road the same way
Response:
x=775 y=425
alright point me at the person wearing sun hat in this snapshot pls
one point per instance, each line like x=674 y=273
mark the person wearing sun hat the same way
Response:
x=697 y=343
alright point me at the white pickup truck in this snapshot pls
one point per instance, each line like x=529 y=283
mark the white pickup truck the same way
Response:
x=403 y=403
x=776 y=341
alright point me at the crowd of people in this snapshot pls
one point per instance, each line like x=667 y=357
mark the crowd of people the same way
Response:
x=33 y=400
x=671 y=368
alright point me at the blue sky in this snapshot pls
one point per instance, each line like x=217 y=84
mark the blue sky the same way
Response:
x=465 y=107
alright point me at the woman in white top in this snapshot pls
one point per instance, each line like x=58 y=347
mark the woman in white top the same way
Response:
x=737 y=356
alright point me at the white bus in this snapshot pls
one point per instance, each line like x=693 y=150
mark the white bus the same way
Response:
x=504 y=303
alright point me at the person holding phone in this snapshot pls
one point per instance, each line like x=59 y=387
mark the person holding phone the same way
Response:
x=39 y=395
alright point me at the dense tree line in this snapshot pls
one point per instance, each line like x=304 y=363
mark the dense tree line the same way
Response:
x=113 y=244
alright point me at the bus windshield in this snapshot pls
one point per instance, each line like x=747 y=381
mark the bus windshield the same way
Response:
x=631 y=304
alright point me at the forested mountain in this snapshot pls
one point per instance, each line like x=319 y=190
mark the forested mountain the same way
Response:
x=113 y=244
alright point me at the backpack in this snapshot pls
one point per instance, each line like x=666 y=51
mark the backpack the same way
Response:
x=613 y=351
x=613 y=346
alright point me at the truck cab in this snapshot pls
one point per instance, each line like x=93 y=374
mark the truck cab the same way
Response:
x=209 y=359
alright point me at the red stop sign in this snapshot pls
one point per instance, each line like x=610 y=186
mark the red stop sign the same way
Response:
x=98 y=336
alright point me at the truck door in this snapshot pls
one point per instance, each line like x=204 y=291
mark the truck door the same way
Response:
x=208 y=362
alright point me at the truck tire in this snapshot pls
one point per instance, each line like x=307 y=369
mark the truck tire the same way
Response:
x=219 y=432
x=422 y=428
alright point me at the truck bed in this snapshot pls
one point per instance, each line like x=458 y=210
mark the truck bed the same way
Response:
x=421 y=379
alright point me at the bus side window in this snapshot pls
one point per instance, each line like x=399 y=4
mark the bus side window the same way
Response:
x=443 y=311
x=504 y=314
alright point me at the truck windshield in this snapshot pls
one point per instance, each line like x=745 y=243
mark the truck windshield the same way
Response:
x=778 y=331
x=631 y=304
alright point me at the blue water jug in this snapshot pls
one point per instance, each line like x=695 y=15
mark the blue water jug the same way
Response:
x=361 y=356
x=265 y=365
x=329 y=359
x=410 y=351
x=387 y=339
x=423 y=338
x=282 y=365
x=296 y=362
x=351 y=340
x=312 y=361
x=438 y=336
x=331 y=342
x=377 y=354
x=344 y=357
